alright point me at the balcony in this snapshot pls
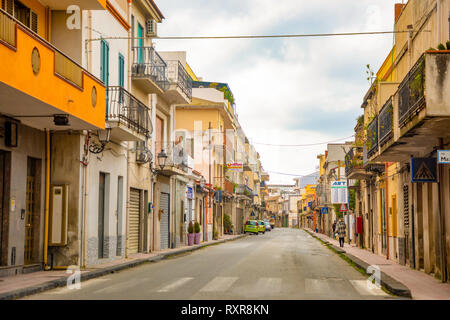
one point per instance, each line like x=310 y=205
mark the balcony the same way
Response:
x=372 y=138
x=127 y=117
x=244 y=190
x=420 y=110
x=39 y=80
x=354 y=165
x=178 y=160
x=179 y=90
x=149 y=70
x=83 y=4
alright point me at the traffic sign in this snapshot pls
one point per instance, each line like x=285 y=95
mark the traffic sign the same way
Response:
x=339 y=192
x=325 y=210
x=443 y=156
x=343 y=208
x=423 y=170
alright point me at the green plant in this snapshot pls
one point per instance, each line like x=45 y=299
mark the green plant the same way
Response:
x=441 y=47
x=227 y=222
x=197 y=227
x=215 y=234
x=447 y=44
x=191 y=228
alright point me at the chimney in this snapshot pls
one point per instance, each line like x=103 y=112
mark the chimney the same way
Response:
x=398 y=10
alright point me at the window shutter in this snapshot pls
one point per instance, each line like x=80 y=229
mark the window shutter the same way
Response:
x=8 y=6
x=34 y=21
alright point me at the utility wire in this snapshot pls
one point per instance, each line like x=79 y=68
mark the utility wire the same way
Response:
x=310 y=35
x=279 y=35
x=302 y=145
x=289 y=174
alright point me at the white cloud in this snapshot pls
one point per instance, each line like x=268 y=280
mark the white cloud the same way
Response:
x=281 y=83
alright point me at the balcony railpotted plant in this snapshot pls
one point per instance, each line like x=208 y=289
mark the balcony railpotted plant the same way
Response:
x=197 y=233
x=190 y=234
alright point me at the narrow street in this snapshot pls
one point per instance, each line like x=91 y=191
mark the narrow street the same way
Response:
x=281 y=264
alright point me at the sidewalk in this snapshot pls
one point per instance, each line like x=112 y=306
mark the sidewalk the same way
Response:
x=27 y=284
x=421 y=285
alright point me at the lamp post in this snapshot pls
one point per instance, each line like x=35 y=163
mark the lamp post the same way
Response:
x=162 y=157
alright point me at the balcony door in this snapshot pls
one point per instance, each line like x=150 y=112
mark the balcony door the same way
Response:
x=104 y=68
x=140 y=43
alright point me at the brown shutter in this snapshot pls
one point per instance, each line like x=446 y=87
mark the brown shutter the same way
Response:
x=34 y=21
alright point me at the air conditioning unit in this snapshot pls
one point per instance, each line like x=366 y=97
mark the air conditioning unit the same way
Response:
x=151 y=28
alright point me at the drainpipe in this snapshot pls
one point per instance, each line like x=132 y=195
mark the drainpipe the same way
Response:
x=439 y=21
x=386 y=166
x=128 y=143
x=47 y=196
x=85 y=197
x=442 y=237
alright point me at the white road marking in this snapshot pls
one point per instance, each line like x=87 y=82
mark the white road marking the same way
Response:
x=321 y=286
x=268 y=285
x=219 y=284
x=174 y=285
x=122 y=286
x=364 y=290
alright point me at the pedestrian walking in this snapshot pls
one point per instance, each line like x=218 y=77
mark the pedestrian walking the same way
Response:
x=341 y=231
x=334 y=228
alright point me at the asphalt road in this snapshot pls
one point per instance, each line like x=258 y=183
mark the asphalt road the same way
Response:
x=281 y=264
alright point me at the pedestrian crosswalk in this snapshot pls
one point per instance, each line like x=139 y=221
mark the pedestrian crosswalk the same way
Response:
x=274 y=285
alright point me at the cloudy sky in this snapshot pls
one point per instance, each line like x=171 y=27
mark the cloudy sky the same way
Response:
x=287 y=91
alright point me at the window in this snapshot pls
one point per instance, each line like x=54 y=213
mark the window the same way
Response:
x=22 y=13
x=104 y=63
x=140 y=43
x=121 y=71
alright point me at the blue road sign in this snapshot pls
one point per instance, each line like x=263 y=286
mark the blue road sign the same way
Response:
x=325 y=210
x=423 y=170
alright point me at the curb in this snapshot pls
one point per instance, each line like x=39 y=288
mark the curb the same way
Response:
x=387 y=281
x=60 y=282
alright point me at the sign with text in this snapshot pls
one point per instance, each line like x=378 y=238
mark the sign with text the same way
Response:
x=443 y=156
x=423 y=170
x=339 y=192
x=235 y=167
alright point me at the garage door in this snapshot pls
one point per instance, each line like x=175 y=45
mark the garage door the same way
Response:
x=164 y=203
x=133 y=221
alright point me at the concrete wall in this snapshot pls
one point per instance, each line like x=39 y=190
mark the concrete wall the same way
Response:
x=31 y=143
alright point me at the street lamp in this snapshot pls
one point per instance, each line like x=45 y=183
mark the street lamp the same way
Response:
x=202 y=182
x=162 y=157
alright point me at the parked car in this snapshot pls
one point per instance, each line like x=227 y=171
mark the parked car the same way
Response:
x=272 y=223
x=262 y=226
x=251 y=226
x=268 y=227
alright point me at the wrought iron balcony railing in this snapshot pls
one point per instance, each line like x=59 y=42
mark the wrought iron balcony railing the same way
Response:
x=147 y=63
x=411 y=92
x=386 y=119
x=177 y=74
x=123 y=107
x=353 y=160
x=372 y=137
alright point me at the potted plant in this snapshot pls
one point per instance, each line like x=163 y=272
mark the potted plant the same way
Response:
x=197 y=233
x=190 y=234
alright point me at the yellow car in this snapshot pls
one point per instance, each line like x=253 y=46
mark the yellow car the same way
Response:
x=261 y=226
x=251 y=226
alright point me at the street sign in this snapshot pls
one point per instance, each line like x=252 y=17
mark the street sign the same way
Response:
x=423 y=170
x=325 y=210
x=343 y=208
x=443 y=156
x=235 y=167
x=339 y=192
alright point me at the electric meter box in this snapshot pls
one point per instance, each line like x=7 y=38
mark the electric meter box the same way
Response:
x=58 y=215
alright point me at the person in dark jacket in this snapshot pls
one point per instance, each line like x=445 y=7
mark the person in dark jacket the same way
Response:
x=341 y=231
x=334 y=229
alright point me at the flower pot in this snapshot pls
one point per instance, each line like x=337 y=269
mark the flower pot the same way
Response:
x=198 y=236
x=190 y=239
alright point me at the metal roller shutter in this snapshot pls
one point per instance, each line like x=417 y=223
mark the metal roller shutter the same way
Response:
x=164 y=204
x=133 y=221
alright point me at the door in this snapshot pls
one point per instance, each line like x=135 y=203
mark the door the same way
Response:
x=383 y=220
x=119 y=216
x=239 y=220
x=101 y=215
x=164 y=230
x=30 y=207
x=140 y=44
x=134 y=217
